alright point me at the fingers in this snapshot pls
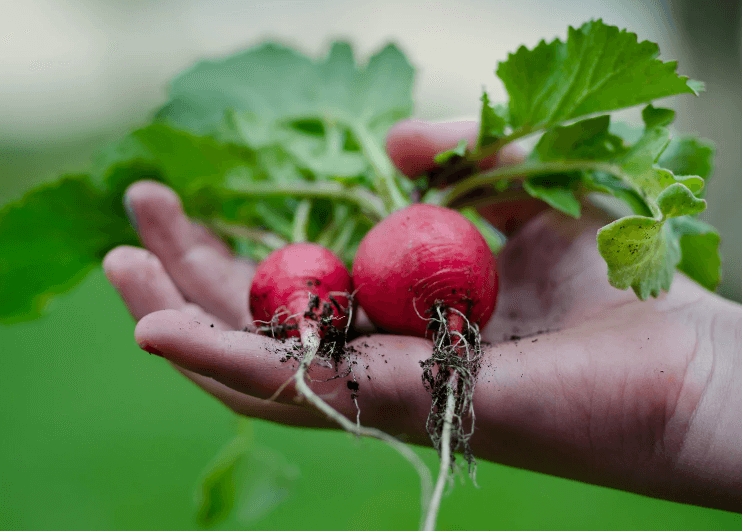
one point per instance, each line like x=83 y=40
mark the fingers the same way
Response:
x=141 y=281
x=200 y=266
x=390 y=394
x=145 y=287
x=413 y=144
x=249 y=406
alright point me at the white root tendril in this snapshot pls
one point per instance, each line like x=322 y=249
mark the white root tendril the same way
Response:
x=456 y=357
x=310 y=340
x=445 y=464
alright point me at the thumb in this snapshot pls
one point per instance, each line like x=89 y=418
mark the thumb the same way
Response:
x=413 y=144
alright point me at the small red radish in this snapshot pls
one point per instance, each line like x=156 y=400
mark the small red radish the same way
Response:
x=307 y=288
x=427 y=271
x=300 y=284
x=421 y=256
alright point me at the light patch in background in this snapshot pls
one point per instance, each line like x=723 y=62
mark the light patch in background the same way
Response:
x=50 y=60
x=79 y=68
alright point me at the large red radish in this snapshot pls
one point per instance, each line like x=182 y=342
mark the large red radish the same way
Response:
x=420 y=257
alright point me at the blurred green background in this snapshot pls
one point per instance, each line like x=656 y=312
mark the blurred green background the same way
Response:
x=97 y=435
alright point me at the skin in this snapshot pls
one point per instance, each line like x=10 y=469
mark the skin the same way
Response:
x=602 y=388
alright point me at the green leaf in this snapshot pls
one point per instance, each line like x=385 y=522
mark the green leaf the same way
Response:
x=647 y=150
x=321 y=151
x=699 y=244
x=677 y=200
x=280 y=86
x=689 y=156
x=657 y=116
x=610 y=184
x=638 y=164
x=243 y=483
x=51 y=238
x=588 y=139
x=217 y=491
x=332 y=115
x=495 y=239
x=599 y=68
x=557 y=190
x=198 y=168
x=492 y=122
x=640 y=253
x=643 y=252
x=184 y=161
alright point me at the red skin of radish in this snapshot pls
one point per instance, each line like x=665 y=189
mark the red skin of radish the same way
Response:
x=418 y=257
x=285 y=279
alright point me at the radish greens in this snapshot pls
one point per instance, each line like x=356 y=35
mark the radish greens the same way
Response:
x=244 y=140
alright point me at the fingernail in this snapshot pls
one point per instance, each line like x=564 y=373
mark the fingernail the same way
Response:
x=129 y=209
x=151 y=350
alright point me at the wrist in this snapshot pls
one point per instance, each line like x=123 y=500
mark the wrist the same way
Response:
x=708 y=469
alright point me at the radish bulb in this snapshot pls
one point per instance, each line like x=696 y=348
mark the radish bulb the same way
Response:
x=302 y=290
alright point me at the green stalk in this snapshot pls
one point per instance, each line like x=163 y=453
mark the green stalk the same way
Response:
x=525 y=170
x=339 y=216
x=343 y=238
x=371 y=205
x=485 y=152
x=269 y=239
x=301 y=220
x=334 y=138
x=492 y=149
x=384 y=170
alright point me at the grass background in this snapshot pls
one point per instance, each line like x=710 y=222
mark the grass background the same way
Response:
x=97 y=435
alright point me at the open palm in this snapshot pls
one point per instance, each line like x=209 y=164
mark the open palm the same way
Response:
x=578 y=379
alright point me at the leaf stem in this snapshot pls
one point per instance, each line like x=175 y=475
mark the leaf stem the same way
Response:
x=525 y=170
x=383 y=168
x=344 y=237
x=371 y=205
x=301 y=220
x=506 y=196
x=491 y=149
x=269 y=239
x=339 y=217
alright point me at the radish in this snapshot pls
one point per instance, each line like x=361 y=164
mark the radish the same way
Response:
x=301 y=289
x=304 y=290
x=420 y=257
x=427 y=271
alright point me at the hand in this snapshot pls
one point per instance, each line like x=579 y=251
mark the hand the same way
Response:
x=602 y=388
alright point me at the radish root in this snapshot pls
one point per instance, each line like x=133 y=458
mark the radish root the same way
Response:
x=313 y=344
x=456 y=356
